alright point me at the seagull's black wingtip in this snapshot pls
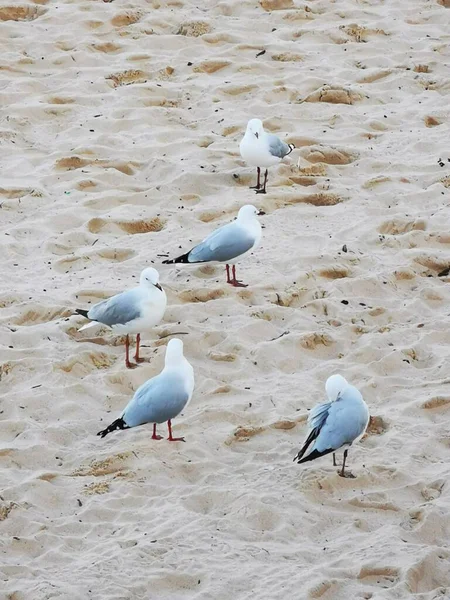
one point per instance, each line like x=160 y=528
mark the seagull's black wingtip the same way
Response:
x=313 y=455
x=117 y=424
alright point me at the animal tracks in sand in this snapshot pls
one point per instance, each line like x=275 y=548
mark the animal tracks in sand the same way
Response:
x=21 y=13
x=70 y=163
x=112 y=465
x=38 y=314
x=436 y=403
x=78 y=263
x=328 y=155
x=99 y=225
x=430 y=573
x=400 y=226
x=315 y=199
x=85 y=362
x=335 y=95
x=128 y=77
x=384 y=577
x=201 y=295
x=125 y=19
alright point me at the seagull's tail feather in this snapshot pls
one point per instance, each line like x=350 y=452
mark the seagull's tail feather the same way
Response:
x=315 y=454
x=89 y=325
x=291 y=147
x=180 y=259
x=117 y=424
x=311 y=437
x=83 y=313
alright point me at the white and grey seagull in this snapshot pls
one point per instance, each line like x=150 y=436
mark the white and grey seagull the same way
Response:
x=262 y=150
x=228 y=244
x=133 y=311
x=335 y=424
x=161 y=398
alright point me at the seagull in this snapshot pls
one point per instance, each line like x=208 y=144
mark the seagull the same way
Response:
x=227 y=244
x=261 y=149
x=161 y=398
x=337 y=423
x=132 y=311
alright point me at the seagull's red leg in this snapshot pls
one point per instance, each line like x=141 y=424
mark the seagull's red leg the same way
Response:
x=342 y=473
x=263 y=189
x=171 y=438
x=128 y=364
x=137 y=358
x=228 y=273
x=154 y=436
x=258 y=183
x=234 y=282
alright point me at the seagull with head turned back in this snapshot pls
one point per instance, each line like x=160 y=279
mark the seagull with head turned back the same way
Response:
x=161 y=398
x=228 y=244
x=262 y=150
x=335 y=424
x=132 y=311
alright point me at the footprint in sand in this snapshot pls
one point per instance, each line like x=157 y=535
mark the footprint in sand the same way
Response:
x=21 y=13
x=125 y=19
x=78 y=263
x=400 y=226
x=98 y=225
x=71 y=163
x=127 y=77
x=328 y=155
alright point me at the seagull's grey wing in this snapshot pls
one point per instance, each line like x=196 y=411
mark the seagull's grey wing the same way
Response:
x=277 y=147
x=318 y=416
x=118 y=310
x=158 y=400
x=316 y=420
x=345 y=422
x=224 y=244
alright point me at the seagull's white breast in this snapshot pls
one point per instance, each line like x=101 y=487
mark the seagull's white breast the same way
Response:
x=255 y=151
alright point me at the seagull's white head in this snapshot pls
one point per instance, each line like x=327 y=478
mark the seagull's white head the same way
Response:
x=150 y=277
x=255 y=127
x=248 y=212
x=174 y=352
x=335 y=386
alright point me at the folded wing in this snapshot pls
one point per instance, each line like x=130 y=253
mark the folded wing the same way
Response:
x=277 y=147
x=158 y=400
x=222 y=245
x=316 y=420
x=117 y=310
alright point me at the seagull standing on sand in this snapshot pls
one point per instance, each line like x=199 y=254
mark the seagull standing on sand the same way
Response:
x=133 y=311
x=161 y=398
x=227 y=244
x=261 y=149
x=337 y=423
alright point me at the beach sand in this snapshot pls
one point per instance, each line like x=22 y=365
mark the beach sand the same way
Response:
x=119 y=130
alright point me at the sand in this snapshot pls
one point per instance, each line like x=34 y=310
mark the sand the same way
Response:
x=120 y=129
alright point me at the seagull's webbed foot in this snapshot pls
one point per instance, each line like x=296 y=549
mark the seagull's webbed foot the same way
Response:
x=233 y=280
x=236 y=283
x=171 y=438
x=155 y=436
